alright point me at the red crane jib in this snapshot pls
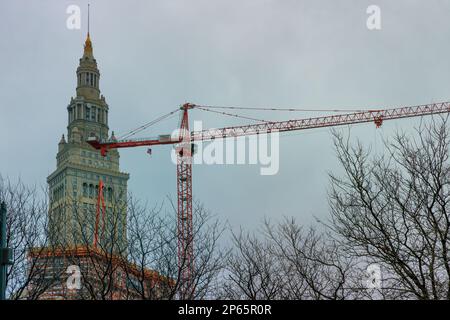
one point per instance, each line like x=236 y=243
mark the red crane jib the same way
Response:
x=377 y=116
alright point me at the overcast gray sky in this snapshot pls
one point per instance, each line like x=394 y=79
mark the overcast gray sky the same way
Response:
x=154 y=55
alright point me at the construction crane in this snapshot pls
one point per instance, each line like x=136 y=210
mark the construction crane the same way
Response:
x=184 y=149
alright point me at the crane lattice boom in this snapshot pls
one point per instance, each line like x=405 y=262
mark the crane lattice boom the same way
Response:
x=377 y=116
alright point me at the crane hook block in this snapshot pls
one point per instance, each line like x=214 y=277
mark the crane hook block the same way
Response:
x=378 y=121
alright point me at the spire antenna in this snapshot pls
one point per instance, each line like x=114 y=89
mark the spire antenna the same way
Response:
x=88 y=17
x=88 y=43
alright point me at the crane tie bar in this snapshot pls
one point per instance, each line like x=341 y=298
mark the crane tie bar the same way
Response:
x=145 y=126
x=231 y=114
x=283 y=109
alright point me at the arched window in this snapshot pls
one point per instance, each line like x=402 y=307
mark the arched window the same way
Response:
x=85 y=190
x=91 y=191
x=93 y=114
x=71 y=114
x=109 y=195
x=87 y=112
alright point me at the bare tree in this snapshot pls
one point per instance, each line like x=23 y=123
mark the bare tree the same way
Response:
x=123 y=252
x=252 y=271
x=26 y=233
x=97 y=245
x=313 y=263
x=152 y=245
x=287 y=262
x=392 y=210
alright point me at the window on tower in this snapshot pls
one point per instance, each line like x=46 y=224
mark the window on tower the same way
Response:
x=87 y=112
x=85 y=190
x=109 y=194
x=91 y=191
x=93 y=113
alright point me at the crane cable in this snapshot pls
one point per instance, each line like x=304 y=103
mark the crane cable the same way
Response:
x=147 y=125
x=208 y=108
x=231 y=114
x=282 y=109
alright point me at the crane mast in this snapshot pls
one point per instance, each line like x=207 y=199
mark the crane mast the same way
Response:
x=184 y=200
x=184 y=160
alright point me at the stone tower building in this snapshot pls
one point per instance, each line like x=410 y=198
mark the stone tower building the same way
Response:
x=73 y=186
